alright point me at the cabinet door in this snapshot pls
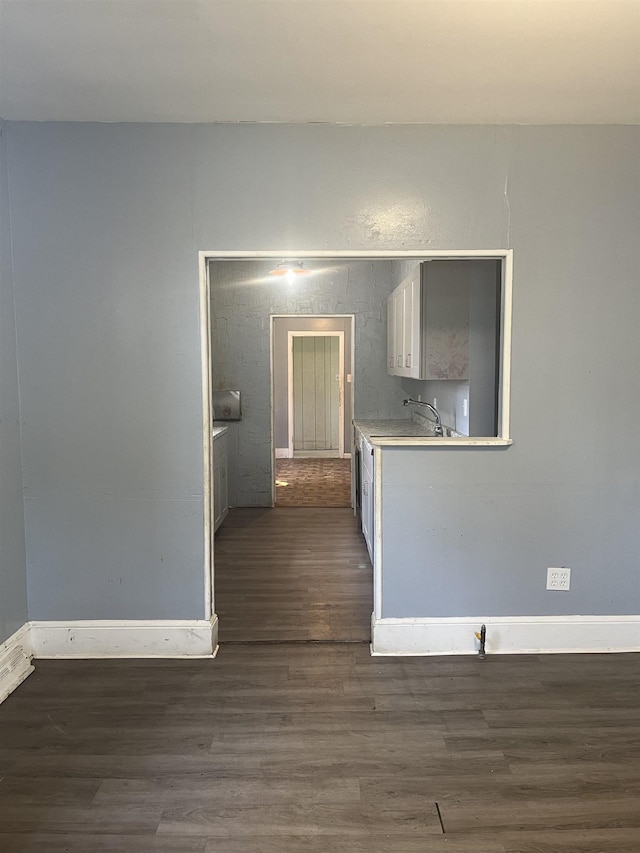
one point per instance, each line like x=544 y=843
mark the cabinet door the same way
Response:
x=411 y=301
x=224 y=489
x=217 y=497
x=220 y=484
x=367 y=511
x=391 y=335
x=398 y=322
x=367 y=502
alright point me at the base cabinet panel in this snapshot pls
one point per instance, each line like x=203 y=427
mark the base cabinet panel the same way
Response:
x=220 y=483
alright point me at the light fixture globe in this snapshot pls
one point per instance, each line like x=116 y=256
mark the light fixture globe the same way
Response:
x=290 y=270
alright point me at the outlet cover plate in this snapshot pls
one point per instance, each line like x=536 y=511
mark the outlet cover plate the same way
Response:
x=559 y=579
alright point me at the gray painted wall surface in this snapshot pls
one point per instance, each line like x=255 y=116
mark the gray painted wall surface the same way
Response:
x=13 y=569
x=241 y=303
x=484 y=311
x=107 y=221
x=107 y=305
x=281 y=328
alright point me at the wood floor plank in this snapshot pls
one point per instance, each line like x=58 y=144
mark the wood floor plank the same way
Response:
x=363 y=843
x=89 y=842
x=299 y=818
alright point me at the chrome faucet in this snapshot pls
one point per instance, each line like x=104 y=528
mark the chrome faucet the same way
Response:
x=438 y=430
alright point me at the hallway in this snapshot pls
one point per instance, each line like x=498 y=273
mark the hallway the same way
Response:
x=292 y=574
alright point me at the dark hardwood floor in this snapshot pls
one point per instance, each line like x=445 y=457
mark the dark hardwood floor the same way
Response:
x=312 y=747
x=295 y=574
x=316 y=747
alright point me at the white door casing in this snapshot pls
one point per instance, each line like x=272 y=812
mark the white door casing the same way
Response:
x=291 y=392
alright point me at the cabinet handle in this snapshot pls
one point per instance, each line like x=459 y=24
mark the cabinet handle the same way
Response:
x=399 y=361
x=408 y=364
x=391 y=362
x=365 y=488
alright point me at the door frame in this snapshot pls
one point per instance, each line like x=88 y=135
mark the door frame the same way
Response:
x=290 y=413
x=504 y=405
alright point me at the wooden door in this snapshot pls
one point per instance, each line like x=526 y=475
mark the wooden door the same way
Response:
x=317 y=394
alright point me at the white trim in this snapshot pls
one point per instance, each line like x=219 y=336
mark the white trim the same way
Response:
x=207 y=432
x=290 y=414
x=504 y=255
x=15 y=661
x=504 y=404
x=282 y=453
x=377 y=534
x=317 y=454
x=363 y=254
x=433 y=441
x=506 y=635
x=127 y=638
x=272 y=413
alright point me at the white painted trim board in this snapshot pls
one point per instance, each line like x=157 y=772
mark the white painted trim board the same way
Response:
x=506 y=635
x=15 y=660
x=129 y=638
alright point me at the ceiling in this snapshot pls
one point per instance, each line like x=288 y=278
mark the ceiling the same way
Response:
x=351 y=61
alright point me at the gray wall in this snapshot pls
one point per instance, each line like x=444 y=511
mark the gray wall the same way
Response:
x=484 y=310
x=107 y=304
x=13 y=570
x=241 y=302
x=107 y=221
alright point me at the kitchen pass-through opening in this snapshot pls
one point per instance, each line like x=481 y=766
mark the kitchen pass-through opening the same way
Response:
x=303 y=411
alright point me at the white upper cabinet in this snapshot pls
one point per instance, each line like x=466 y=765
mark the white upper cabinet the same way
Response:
x=411 y=343
x=398 y=315
x=391 y=334
x=428 y=323
x=403 y=329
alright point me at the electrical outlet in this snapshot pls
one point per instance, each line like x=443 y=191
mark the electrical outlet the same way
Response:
x=559 y=579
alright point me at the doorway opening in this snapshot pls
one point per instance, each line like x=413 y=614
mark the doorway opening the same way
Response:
x=315 y=394
x=239 y=304
x=312 y=403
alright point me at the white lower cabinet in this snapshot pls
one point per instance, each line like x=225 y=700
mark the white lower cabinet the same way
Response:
x=367 y=495
x=220 y=483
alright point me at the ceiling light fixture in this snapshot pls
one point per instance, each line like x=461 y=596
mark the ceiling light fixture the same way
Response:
x=290 y=270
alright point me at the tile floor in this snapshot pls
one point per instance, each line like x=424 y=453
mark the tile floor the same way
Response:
x=313 y=482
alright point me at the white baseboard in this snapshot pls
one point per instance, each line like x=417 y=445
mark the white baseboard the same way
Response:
x=129 y=638
x=506 y=635
x=15 y=661
x=283 y=453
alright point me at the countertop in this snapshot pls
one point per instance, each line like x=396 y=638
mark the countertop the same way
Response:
x=402 y=427
x=404 y=432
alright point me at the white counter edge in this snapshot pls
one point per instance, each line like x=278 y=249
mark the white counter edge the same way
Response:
x=434 y=441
